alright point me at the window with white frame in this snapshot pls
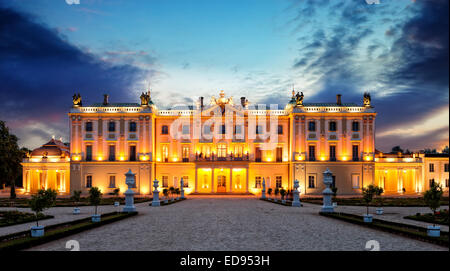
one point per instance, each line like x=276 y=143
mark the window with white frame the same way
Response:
x=258 y=181
x=311 y=181
x=112 y=181
x=278 y=181
x=355 y=181
x=165 y=181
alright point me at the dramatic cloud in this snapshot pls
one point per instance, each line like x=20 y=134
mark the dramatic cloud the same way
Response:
x=40 y=71
x=405 y=68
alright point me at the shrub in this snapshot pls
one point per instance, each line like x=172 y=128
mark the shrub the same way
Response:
x=95 y=197
x=432 y=197
x=282 y=193
x=269 y=191
x=44 y=199
x=368 y=193
x=76 y=197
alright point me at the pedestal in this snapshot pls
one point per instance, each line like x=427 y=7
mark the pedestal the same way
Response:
x=129 y=202
x=327 y=206
x=296 y=201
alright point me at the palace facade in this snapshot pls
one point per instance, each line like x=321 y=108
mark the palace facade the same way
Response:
x=226 y=147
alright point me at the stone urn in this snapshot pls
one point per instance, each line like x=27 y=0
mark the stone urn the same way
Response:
x=166 y=200
x=76 y=211
x=283 y=201
x=96 y=218
x=434 y=231
x=379 y=211
x=367 y=218
x=334 y=204
x=117 y=203
x=37 y=231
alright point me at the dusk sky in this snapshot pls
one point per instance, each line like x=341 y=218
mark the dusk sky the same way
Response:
x=397 y=50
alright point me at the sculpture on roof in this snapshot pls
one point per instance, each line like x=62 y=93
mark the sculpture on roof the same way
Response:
x=366 y=99
x=299 y=99
x=76 y=100
x=145 y=98
x=221 y=101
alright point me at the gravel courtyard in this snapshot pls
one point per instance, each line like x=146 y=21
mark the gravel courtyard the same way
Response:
x=231 y=223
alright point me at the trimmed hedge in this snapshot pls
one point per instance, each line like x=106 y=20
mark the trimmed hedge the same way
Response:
x=411 y=231
x=66 y=202
x=387 y=202
x=11 y=218
x=23 y=240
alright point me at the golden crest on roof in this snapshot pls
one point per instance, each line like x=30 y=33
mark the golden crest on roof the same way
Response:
x=221 y=101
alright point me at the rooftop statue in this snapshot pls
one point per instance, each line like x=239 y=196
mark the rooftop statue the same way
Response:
x=221 y=101
x=366 y=99
x=76 y=98
x=145 y=98
x=299 y=99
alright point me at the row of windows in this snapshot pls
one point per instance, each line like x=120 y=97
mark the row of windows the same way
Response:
x=431 y=167
x=332 y=126
x=165 y=181
x=207 y=129
x=332 y=153
x=112 y=153
x=132 y=126
x=112 y=181
x=432 y=182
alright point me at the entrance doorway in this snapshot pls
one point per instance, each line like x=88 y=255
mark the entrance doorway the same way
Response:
x=221 y=184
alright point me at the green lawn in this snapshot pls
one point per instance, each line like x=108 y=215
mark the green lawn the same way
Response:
x=441 y=217
x=65 y=202
x=9 y=218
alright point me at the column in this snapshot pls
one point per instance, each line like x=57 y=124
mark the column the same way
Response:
x=246 y=179
x=399 y=180
x=231 y=180
x=196 y=180
x=212 y=180
x=45 y=179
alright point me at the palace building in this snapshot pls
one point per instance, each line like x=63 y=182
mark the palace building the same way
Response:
x=226 y=147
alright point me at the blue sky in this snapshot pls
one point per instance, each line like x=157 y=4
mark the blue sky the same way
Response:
x=397 y=50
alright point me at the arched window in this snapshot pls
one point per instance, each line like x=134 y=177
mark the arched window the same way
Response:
x=165 y=130
x=132 y=127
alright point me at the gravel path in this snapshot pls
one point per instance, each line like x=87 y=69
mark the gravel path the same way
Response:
x=236 y=223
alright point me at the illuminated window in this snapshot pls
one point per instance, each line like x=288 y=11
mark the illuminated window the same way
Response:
x=88 y=126
x=355 y=126
x=165 y=130
x=278 y=181
x=238 y=151
x=185 y=153
x=258 y=181
x=206 y=151
x=312 y=126
x=311 y=181
x=431 y=167
x=132 y=127
x=165 y=181
x=112 y=181
x=280 y=129
x=111 y=126
x=165 y=153
x=332 y=126
x=222 y=151
x=88 y=181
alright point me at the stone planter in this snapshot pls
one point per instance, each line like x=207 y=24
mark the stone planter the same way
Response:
x=96 y=218
x=379 y=211
x=76 y=211
x=166 y=201
x=368 y=218
x=117 y=203
x=283 y=201
x=37 y=231
x=334 y=204
x=434 y=231
x=275 y=200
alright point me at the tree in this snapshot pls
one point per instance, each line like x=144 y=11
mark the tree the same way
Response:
x=368 y=193
x=95 y=197
x=378 y=192
x=397 y=149
x=282 y=193
x=44 y=199
x=10 y=158
x=269 y=192
x=446 y=150
x=432 y=198
x=116 y=193
x=76 y=197
x=172 y=191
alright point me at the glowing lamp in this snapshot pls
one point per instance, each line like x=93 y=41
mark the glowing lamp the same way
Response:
x=344 y=158
x=368 y=158
x=121 y=158
x=99 y=158
x=322 y=158
x=175 y=159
